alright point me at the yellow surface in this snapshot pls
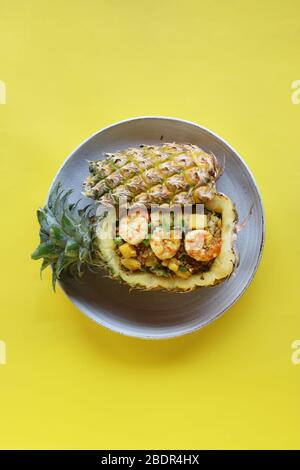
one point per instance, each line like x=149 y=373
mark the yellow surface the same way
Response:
x=70 y=68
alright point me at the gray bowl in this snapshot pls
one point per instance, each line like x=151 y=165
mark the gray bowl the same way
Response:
x=162 y=314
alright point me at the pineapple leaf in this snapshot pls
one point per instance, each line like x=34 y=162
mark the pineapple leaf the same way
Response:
x=84 y=211
x=71 y=248
x=61 y=263
x=83 y=254
x=60 y=204
x=57 y=236
x=68 y=224
x=45 y=264
x=42 y=218
x=66 y=235
x=53 y=196
x=43 y=250
x=43 y=236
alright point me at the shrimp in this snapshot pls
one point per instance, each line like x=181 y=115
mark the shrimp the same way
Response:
x=201 y=245
x=165 y=244
x=133 y=228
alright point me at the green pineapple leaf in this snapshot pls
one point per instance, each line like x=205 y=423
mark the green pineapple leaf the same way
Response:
x=71 y=248
x=43 y=250
x=66 y=235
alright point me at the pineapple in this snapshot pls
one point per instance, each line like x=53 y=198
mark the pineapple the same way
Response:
x=127 y=251
x=173 y=264
x=66 y=236
x=154 y=174
x=131 y=264
x=182 y=280
x=183 y=274
x=73 y=240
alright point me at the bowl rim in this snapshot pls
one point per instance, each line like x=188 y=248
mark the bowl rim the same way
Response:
x=194 y=328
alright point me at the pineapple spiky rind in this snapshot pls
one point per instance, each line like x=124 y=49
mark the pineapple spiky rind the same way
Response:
x=154 y=174
x=66 y=235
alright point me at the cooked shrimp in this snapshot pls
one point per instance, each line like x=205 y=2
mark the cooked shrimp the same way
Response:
x=201 y=245
x=165 y=244
x=133 y=228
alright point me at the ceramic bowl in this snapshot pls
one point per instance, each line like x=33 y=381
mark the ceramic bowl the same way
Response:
x=161 y=314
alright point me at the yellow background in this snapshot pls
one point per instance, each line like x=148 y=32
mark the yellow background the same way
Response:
x=72 y=67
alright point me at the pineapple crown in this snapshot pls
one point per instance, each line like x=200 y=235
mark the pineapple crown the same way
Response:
x=66 y=235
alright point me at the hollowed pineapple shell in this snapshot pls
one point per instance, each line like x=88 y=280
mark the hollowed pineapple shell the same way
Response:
x=222 y=267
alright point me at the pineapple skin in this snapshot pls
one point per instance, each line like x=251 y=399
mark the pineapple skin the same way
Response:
x=170 y=173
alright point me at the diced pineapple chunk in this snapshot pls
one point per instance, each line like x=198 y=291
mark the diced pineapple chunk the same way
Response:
x=131 y=264
x=127 y=251
x=174 y=265
x=183 y=274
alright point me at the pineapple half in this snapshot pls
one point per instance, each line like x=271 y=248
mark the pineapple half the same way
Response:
x=221 y=267
x=170 y=173
x=73 y=240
